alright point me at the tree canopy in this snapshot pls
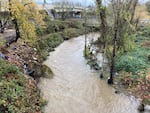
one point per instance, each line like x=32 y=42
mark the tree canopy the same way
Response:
x=117 y=36
x=26 y=14
x=148 y=6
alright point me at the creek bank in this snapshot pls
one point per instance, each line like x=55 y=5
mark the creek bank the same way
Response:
x=19 y=92
x=127 y=79
x=123 y=84
x=77 y=89
x=29 y=60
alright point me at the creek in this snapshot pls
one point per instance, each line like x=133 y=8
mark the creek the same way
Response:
x=75 y=88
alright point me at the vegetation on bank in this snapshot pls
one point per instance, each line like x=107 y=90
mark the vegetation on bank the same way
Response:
x=133 y=61
x=133 y=66
x=55 y=32
x=18 y=93
x=126 y=47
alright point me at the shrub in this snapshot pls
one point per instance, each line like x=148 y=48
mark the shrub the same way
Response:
x=55 y=26
x=72 y=32
x=75 y=24
x=6 y=68
x=134 y=61
x=41 y=31
x=144 y=31
x=53 y=40
x=47 y=44
x=2 y=42
x=18 y=94
x=130 y=64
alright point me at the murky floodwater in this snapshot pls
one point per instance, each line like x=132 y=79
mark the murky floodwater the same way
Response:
x=77 y=89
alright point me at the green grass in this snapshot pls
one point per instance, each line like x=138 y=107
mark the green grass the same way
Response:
x=136 y=60
x=133 y=61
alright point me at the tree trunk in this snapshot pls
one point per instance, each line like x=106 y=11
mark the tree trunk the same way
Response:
x=1 y=26
x=15 y=22
x=103 y=30
x=103 y=22
x=133 y=7
x=17 y=30
x=85 y=31
x=112 y=67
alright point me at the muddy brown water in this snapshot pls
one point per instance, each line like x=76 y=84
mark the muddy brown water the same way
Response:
x=76 y=88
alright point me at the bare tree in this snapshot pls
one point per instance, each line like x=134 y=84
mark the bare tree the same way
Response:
x=123 y=11
x=103 y=30
x=4 y=16
x=148 y=6
x=122 y=28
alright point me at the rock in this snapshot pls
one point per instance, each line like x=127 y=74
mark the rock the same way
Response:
x=46 y=71
x=37 y=69
x=115 y=83
x=30 y=72
x=10 y=40
x=34 y=49
x=14 y=47
x=109 y=81
x=34 y=58
x=117 y=91
x=116 y=74
x=147 y=108
x=96 y=67
x=141 y=108
x=101 y=75
x=3 y=56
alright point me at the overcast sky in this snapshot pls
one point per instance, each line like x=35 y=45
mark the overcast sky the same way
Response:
x=87 y=2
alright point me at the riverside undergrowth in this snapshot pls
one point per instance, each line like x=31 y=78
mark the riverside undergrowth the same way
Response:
x=55 y=32
x=18 y=92
x=134 y=67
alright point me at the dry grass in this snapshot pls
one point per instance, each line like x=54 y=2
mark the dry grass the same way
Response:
x=146 y=44
x=142 y=12
x=148 y=74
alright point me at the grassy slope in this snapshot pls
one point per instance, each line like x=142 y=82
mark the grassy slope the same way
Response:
x=19 y=93
x=134 y=66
